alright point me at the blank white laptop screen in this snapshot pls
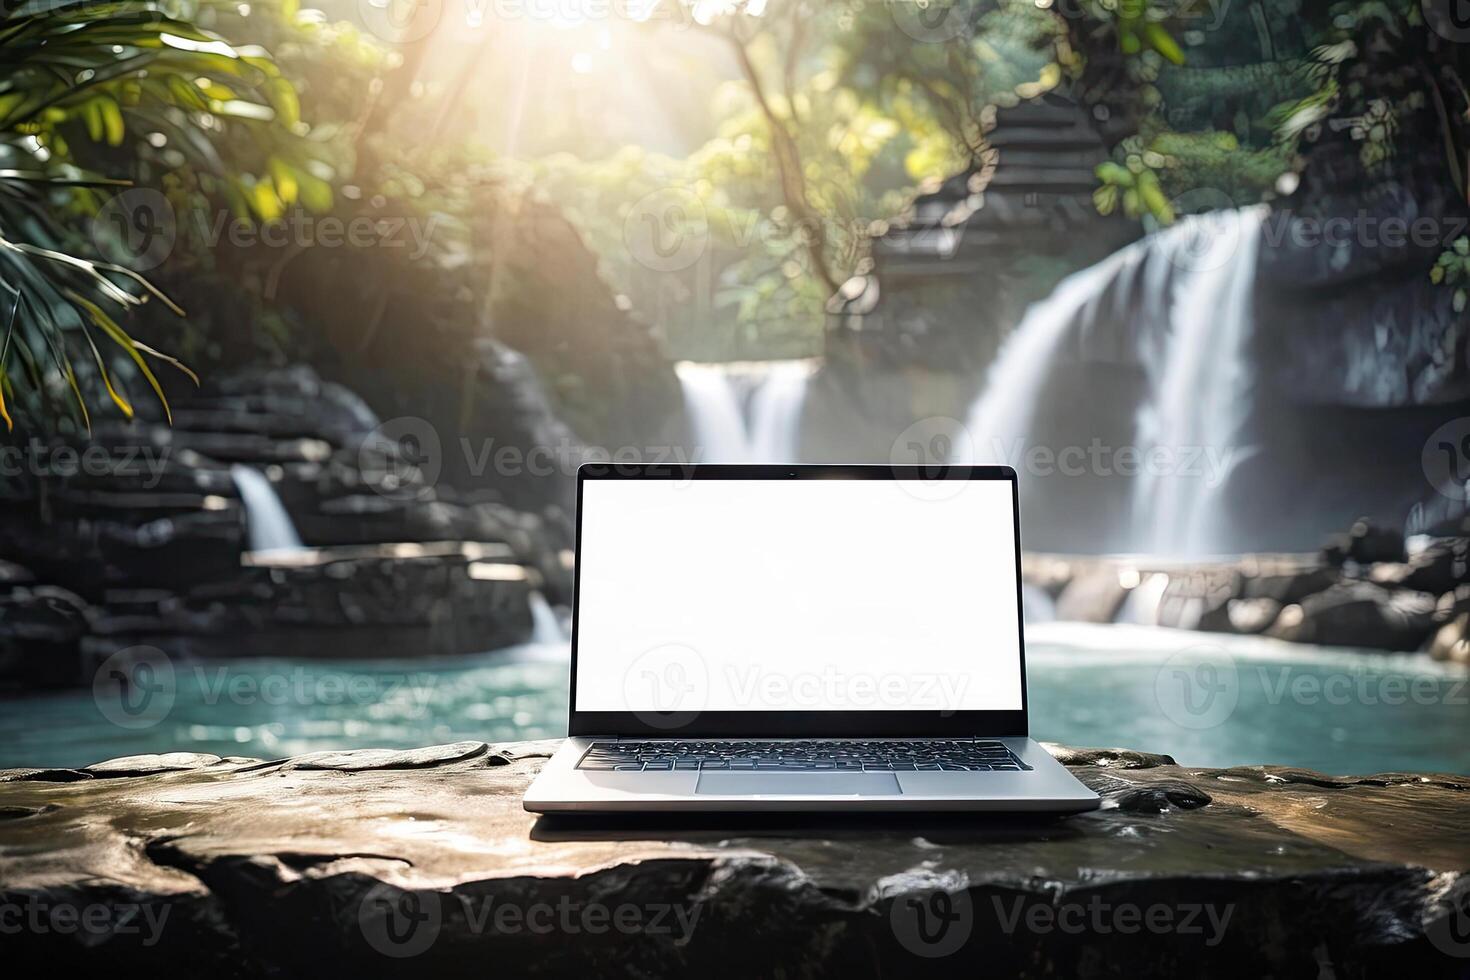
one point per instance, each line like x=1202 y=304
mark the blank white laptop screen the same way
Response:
x=797 y=595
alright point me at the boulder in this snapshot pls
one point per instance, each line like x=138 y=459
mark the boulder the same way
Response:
x=1195 y=594
x=1365 y=543
x=1438 y=568
x=1094 y=595
x=1283 y=579
x=41 y=628
x=380 y=863
x=1359 y=614
x=1241 y=616
x=1452 y=641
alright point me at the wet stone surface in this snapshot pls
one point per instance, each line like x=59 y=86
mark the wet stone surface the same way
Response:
x=423 y=862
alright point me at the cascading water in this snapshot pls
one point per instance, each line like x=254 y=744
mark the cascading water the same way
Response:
x=1201 y=383
x=546 y=627
x=1001 y=417
x=1194 y=282
x=746 y=413
x=714 y=412
x=267 y=524
x=775 y=412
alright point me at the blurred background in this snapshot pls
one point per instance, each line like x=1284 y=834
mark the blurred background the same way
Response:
x=310 y=315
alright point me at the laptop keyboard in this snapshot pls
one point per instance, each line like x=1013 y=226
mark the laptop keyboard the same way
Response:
x=803 y=755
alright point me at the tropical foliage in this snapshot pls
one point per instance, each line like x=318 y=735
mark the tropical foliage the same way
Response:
x=80 y=88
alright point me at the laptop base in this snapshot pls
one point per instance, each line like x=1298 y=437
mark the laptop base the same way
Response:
x=1046 y=787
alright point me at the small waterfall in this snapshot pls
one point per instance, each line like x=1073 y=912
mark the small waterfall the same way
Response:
x=745 y=413
x=1142 y=605
x=775 y=413
x=546 y=626
x=1187 y=315
x=1201 y=381
x=267 y=524
x=714 y=412
x=1001 y=416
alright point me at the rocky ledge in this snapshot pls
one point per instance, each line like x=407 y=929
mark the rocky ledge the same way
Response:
x=1365 y=589
x=382 y=861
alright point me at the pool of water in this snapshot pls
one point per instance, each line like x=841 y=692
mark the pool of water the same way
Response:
x=1206 y=700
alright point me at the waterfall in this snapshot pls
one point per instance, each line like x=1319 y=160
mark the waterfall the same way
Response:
x=266 y=522
x=546 y=627
x=775 y=413
x=1001 y=416
x=714 y=412
x=1186 y=315
x=1201 y=378
x=745 y=413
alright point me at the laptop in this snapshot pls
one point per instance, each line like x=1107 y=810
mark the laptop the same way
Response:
x=808 y=637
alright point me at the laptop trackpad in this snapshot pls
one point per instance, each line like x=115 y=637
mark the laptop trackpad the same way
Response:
x=798 y=784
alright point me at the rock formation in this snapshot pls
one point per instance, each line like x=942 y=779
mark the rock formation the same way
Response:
x=380 y=862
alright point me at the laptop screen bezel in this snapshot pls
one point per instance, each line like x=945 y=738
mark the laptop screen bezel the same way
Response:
x=797 y=724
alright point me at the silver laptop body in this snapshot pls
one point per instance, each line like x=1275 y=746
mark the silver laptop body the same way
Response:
x=809 y=637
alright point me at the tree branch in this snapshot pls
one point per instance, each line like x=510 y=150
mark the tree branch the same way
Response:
x=788 y=164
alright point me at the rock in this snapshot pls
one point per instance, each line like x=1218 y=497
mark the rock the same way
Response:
x=1107 y=758
x=1366 y=543
x=1451 y=604
x=43 y=775
x=41 y=628
x=374 y=518
x=1194 y=593
x=376 y=601
x=1438 y=568
x=1452 y=641
x=605 y=367
x=283 y=870
x=364 y=759
x=1094 y=595
x=1047 y=572
x=1245 y=616
x=1286 y=580
x=1359 y=614
x=145 y=525
x=147 y=765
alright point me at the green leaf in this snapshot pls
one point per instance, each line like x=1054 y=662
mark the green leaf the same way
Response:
x=283 y=99
x=112 y=120
x=1161 y=41
x=316 y=194
x=1114 y=173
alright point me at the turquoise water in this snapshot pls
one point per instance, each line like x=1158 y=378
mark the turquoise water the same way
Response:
x=1336 y=711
